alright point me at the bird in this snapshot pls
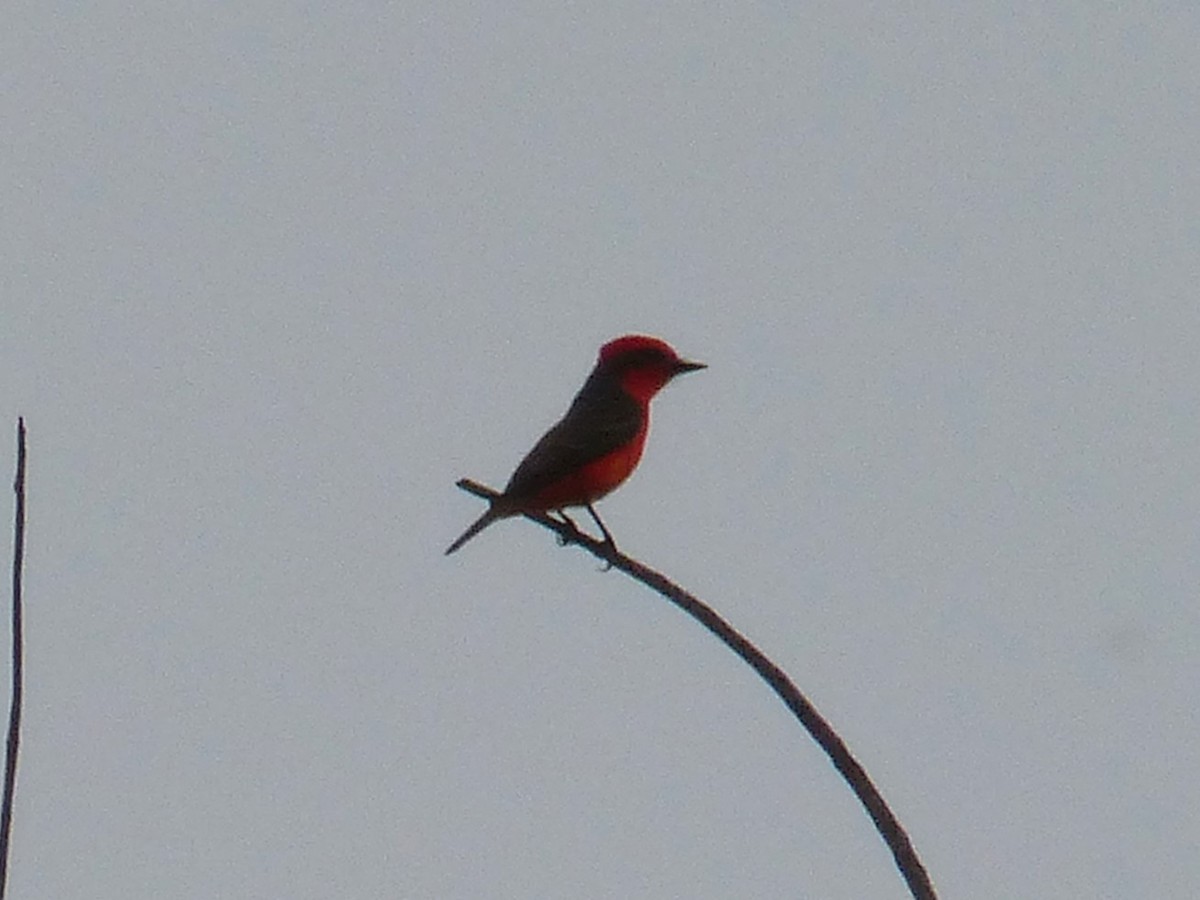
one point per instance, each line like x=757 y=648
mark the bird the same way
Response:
x=598 y=443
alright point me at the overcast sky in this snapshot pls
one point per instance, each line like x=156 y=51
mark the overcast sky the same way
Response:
x=273 y=276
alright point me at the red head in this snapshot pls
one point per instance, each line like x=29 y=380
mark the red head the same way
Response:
x=642 y=364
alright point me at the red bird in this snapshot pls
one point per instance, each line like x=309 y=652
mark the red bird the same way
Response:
x=598 y=443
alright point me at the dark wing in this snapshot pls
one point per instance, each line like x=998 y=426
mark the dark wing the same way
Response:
x=601 y=418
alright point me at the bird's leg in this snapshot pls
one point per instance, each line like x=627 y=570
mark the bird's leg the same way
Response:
x=562 y=538
x=608 y=538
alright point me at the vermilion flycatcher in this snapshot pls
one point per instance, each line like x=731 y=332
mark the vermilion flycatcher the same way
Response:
x=598 y=443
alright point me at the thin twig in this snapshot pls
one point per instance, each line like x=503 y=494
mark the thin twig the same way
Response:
x=886 y=823
x=14 y=711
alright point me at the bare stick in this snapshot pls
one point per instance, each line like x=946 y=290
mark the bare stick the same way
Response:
x=893 y=834
x=14 y=711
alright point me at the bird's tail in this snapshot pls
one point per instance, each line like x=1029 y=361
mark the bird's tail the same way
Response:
x=477 y=526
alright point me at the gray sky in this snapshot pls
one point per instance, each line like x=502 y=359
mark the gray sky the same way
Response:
x=273 y=276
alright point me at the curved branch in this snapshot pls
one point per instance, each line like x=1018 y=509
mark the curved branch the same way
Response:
x=886 y=823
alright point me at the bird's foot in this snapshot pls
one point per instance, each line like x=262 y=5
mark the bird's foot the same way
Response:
x=564 y=539
x=608 y=538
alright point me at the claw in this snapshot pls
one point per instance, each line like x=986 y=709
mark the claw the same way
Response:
x=608 y=538
x=563 y=539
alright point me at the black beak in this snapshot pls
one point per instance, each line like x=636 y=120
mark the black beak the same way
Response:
x=683 y=365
